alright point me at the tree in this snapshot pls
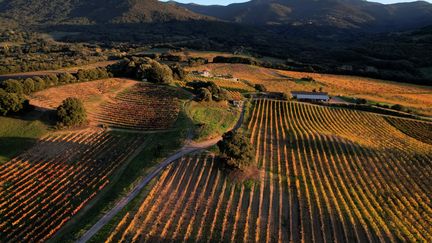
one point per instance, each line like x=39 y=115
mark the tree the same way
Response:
x=204 y=95
x=397 y=107
x=260 y=88
x=40 y=83
x=10 y=102
x=28 y=86
x=158 y=73
x=236 y=150
x=13 y=86
x=71 y=112
x=178 y=72
x=65 y=78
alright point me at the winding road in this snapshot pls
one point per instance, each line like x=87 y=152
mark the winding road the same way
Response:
x=187 y=149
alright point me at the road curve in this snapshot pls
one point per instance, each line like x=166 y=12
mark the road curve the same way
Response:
x=187 y=149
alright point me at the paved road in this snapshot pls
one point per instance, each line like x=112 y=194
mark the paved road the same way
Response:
x=187 y=149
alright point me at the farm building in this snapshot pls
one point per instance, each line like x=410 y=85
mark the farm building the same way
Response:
x=205 y=73
x=310 y=96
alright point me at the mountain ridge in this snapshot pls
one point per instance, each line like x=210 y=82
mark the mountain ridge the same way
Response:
x=94 y=11
x=346 y=14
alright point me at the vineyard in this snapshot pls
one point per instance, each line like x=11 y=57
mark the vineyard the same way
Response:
x=413 y=96
x=142 y=107
x=48 y=184
x=421 y=131
x=328 y=175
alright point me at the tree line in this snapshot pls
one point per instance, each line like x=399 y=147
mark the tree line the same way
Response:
x=13 y=91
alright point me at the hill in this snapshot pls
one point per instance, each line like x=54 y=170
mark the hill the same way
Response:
x=346 y=14
x=96 y=11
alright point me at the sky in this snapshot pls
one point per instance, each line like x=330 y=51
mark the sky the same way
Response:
x=226 y=2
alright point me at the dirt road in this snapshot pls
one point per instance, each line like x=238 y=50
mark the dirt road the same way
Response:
x=187 y=149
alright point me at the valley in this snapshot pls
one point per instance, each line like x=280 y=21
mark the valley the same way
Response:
x=262 y=121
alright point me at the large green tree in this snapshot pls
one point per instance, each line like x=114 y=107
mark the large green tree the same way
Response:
x=236 y=150
x=71 y=112
x=10 y=102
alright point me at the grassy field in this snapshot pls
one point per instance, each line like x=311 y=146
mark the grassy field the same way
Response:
x=212 y=118
x=418 y=98
x=17 y=135
x=326 y=175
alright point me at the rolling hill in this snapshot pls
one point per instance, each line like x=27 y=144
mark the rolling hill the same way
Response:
x=93 y=11
x=347 y=14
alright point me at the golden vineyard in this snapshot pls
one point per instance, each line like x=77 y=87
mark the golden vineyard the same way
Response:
x=327 y=175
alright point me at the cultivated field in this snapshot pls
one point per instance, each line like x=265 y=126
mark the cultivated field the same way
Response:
x=141 y=107
x=48 y=184
x=91 y=93
x=327 y=175
x=414 y=96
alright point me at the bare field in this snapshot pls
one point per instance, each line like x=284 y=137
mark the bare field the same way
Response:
x=328 y=175
x=413 y=96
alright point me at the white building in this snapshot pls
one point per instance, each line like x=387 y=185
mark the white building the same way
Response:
x=310 y=96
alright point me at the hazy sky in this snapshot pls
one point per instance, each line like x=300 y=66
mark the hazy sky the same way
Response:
x=226 y=2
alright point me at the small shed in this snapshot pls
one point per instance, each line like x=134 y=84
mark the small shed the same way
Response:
x=310 y=96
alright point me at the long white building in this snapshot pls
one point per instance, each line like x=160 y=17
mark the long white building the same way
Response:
x=310 y=96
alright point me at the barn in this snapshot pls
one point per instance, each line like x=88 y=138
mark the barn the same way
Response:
x=310 y=96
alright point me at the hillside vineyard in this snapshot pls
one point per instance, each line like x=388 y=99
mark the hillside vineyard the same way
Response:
x=327 y=175
x=45 y=186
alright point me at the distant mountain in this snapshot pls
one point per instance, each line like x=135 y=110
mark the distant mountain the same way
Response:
x=347 y=14
x=93 y=11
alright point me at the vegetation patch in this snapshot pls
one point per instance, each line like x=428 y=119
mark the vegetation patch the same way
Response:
x=211 y=118
x=18 y=134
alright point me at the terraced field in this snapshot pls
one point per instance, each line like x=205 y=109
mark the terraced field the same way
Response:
x=141 y=107
x=326 y=175
x=48 y=184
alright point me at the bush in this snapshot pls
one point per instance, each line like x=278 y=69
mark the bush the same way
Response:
x=28 y=86
x=39 y=83
x=204 y=95
x=178 y=72
x=242 y=60
x=157 y=73
x=361 y=101
x=217 y=93
x=71 y=112
x=66 y=78
x=197 y=61
x=397 y=107
x=13 y=86
x=260 y=88
x=236 y=150
x=10 y=102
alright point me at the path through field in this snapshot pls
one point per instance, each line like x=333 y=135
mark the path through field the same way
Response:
x=326 y=175
x=187 y=149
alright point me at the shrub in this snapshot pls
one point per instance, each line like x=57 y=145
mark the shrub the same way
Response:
x=28 y=86
x=157 y=73
x=204 y=95
x=71 y=112
x=13 y=86
x=51 y=80
x=39 y=83
x=361 y=101
x=242 y=60
x=65 y=78
x=197 y=61
x=260 y=88
x=236 y=150
x=178 y=72
x=10 y=102
x=397 y=107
